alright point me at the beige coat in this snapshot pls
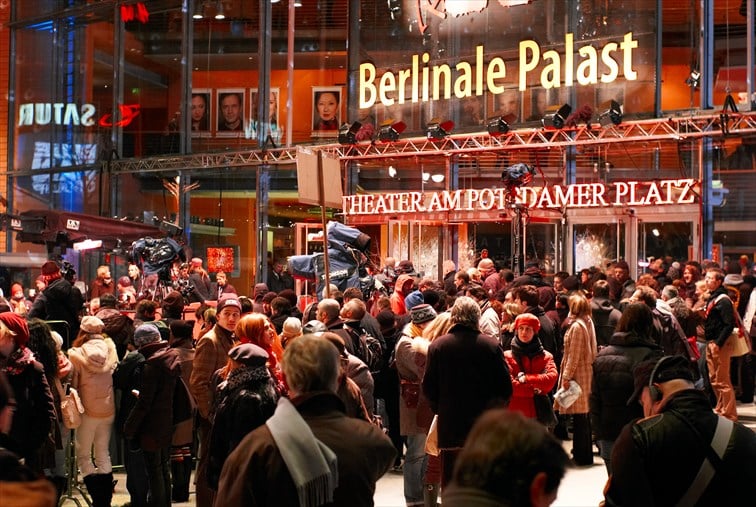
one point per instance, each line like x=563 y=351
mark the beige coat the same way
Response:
x=93 y=365
x=577 y=363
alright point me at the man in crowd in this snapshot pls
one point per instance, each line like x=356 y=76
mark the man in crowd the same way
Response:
x=210 y=355
x=682 y=453
x=309 y=448
x=103 y=284
x=720 y=321
x=465 y=375
x=58 y=301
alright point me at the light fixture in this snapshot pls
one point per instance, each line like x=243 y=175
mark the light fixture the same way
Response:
x=297 y=3
x=438 y=178
x=199 y=9
x=347 y=133
x=426 y=176
x=87 y=244
x=437 y=130
x=655 y=232
x=694 y=79
x=389 y=130
x=610 y=113
x=392 y=171
x=497 y=126
x=555 y=116
x=219 y=13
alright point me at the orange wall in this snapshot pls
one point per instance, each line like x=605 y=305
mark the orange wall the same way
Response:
x=4 y=71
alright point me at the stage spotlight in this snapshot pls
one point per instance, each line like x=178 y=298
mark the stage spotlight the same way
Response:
x=694 y=79
x=389 y=131
x=347 y=133
x=610 y=113
x=437 y=130
x=497 y=126
x=556 y=115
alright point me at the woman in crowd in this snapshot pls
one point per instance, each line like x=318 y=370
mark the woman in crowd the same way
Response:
x=415 y=414
x=19 y=484
x=246 y=399
x=257 y=329
x=94 y=358
x=509 y=313
x=613 y=384
x=183 y=434
x=45 y=351
x=432 y=480
x=577 y=364
x=34 y=410
x=532 y=369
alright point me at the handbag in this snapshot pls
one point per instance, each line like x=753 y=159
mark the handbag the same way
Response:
x=71 y=408
x=738 y=342
x=544 y=409
x=431 y=442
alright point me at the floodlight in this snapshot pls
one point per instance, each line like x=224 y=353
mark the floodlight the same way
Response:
x=497 y=126
x=347 y=133
x=556 y=116
x=389 y=131
x=610 y=113
x=437 y=130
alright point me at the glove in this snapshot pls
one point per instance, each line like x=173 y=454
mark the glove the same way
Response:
x=521 y=377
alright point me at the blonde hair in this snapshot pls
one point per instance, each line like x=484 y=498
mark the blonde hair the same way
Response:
x=579 y=305
x=438 y=326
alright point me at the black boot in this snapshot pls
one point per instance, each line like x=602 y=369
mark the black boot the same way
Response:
x=430 y=495
x=181 y=471
x=61 y=486
x=100 y=488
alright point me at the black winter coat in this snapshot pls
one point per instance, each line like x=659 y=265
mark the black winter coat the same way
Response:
x=59 y=301
x=35 y=410
x=151 y=419
x=245 y=401
x=613 y=383
x=465 y=375
x=656 y=459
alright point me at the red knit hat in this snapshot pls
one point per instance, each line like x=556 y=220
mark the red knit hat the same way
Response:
x=527 y=319
x=17 y=324
x=50 y=271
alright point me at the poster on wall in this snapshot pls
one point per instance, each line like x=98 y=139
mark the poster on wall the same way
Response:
x=326 y=110
x=224 y=258
x=230 y=111
x=275 y=129
x=201 y=112
x=507 y=104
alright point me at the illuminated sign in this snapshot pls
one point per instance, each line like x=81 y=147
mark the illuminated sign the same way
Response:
x=136 y=12
x=581 y=195
x=583 y=65
x=72 y=115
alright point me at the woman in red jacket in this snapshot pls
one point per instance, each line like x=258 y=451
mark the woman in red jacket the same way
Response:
x=532 y=368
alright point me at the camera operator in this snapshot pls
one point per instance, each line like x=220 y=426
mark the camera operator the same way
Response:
x=60 y=300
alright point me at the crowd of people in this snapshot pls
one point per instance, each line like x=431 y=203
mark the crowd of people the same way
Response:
x=457 y=383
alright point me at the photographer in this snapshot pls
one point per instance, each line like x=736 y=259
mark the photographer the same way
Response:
x=60 y=300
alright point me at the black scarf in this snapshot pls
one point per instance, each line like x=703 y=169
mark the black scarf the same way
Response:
x=530 y=349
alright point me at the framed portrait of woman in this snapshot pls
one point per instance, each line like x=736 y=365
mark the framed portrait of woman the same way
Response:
x=327 y=104
x=229 y=119
x=275 y=129
x=201 y=111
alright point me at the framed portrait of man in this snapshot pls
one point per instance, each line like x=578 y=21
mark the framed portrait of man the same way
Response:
x=275 y=130
x=326 y=110
x=201 y=111
x=230 y=111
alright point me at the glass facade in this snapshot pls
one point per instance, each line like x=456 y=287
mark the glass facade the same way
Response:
x=163 y=81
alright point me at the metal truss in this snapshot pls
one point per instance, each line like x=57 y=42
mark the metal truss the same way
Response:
x=661 y=129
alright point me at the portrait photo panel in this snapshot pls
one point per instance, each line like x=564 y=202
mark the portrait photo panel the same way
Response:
x=201 y=110
x=230 y=117
x=327 y=106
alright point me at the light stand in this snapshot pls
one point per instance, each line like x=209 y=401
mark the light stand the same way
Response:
x=519 y=231
x=72 y=475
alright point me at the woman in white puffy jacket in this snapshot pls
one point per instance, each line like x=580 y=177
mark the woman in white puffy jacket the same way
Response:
x=94 y=358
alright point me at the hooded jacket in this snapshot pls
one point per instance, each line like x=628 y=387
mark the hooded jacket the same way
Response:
x=151 y=419
x=93 y=364
x=605 y=319
x=118 y=326
x=59 y=301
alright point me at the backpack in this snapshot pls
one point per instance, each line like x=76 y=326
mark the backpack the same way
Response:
x=367 y=348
